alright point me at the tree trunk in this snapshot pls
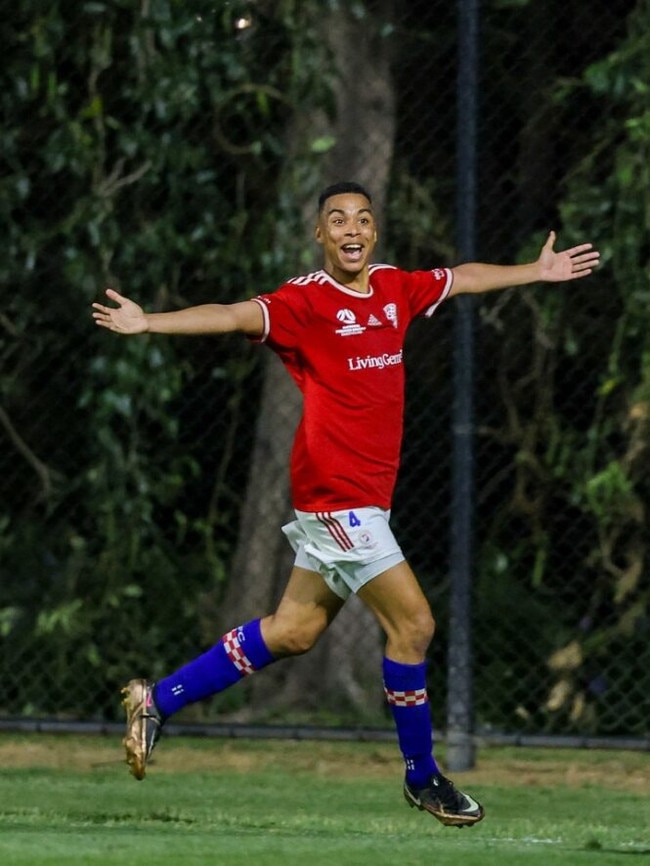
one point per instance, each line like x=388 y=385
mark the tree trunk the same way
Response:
x=346 y=664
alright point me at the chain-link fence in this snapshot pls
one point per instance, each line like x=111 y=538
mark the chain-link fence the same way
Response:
x=175 y=150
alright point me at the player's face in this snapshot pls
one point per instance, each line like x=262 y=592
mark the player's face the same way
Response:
x=347 y=230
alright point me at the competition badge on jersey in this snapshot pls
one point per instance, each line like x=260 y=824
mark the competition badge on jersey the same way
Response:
x=349 y=323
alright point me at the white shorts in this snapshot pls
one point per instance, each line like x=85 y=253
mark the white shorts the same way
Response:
x=348 y=548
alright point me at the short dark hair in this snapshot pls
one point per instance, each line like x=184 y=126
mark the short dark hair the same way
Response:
x=340 y=188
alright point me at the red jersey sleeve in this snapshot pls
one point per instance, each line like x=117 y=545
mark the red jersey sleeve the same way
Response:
x=427 y=290
x=287 y=315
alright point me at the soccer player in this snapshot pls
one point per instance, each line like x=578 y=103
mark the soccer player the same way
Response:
x=340 y=332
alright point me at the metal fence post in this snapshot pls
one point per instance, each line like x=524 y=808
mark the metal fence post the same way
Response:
x=460 y=746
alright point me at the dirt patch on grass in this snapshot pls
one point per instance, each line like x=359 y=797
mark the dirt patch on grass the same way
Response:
x=495 y=766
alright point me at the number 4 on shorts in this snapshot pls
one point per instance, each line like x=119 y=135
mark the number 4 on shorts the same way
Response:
x=354 y=520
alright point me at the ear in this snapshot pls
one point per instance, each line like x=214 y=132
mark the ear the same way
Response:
x=318 y=235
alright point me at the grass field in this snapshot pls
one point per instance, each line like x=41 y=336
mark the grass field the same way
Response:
x=69 y=800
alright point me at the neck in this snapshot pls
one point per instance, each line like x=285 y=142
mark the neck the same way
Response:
x=359 y=282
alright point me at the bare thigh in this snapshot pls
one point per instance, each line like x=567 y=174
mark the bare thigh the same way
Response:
x=306 y=609
x=402 y=610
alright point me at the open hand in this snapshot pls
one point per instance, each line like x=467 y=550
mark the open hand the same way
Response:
x=569 y=264
x=127 y=318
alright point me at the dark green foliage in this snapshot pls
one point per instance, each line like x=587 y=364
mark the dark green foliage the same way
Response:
x=562 y=398
x=138 y=149
x=142 y=146
x=566 y=546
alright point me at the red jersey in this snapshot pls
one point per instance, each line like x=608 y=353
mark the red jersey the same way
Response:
x=344 y=350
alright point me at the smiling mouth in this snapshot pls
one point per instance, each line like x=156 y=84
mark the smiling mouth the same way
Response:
x=352 y=251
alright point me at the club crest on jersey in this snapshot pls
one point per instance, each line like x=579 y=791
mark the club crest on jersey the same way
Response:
x=349 y=323
x=390 y=311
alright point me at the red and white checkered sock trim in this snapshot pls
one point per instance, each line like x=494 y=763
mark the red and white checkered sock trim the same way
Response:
x=236 y=654
x=408 y=698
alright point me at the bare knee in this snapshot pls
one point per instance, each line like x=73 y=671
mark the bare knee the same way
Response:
x=402 y=610
x=421 y=630
x=409 y=638
x=285 y=637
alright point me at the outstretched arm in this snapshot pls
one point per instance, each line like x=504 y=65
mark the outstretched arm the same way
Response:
x=550 y=267
x=129 y=318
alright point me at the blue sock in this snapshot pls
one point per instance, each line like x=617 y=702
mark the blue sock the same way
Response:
x=239 y=653
x=406 y=692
